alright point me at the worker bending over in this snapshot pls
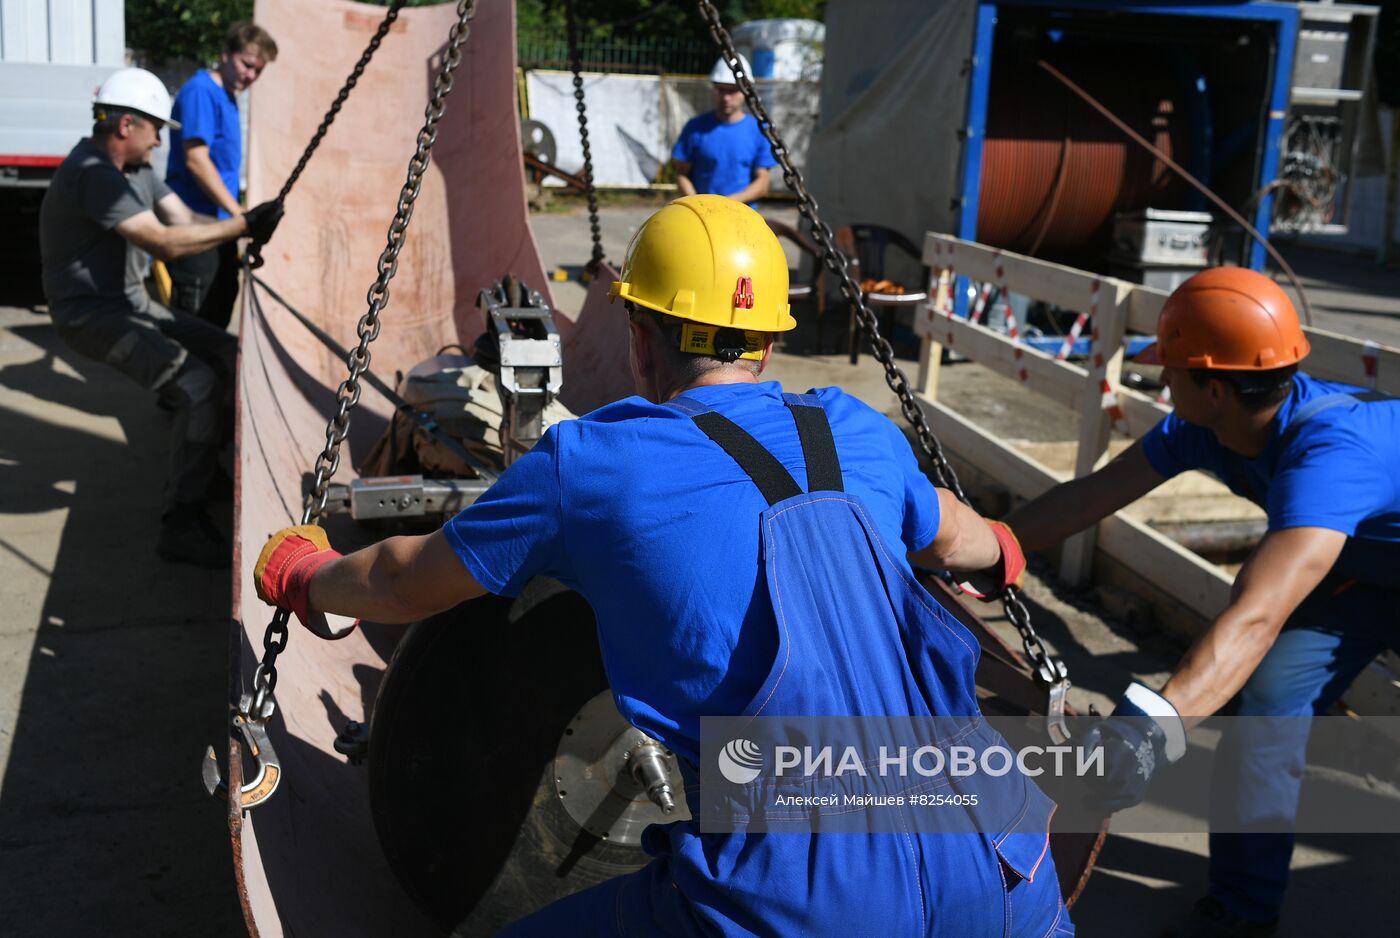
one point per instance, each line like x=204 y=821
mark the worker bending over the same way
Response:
x=723 y=152
x=744 y=552
x=104 y=211
x=206 y=159
x=1315 y=601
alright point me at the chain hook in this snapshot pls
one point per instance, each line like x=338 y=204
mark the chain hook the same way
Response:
x=255 y=709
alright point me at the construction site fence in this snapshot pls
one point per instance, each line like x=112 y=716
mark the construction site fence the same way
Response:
x=549 y=49
x=1109 y=311
x=634 y=120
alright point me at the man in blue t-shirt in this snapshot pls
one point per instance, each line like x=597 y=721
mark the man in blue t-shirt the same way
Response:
x=644 y=511
x=206 y=157
x=723 y=152
x=1314 y=603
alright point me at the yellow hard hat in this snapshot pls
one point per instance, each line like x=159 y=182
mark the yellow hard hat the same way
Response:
x=712 y=260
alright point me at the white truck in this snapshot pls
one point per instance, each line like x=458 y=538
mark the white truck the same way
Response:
x=53 y=55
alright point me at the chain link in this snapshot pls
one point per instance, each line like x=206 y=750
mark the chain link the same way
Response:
x=348 y=394
x=576 y=66
x=1046 y=667
x=254 y=252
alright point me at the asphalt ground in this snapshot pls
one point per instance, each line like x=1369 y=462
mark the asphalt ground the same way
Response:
x=112 y=664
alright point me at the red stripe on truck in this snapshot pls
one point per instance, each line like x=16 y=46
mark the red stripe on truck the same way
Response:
x=7 y=159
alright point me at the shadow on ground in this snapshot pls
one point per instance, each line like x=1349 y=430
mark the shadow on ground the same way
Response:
x=104 y=826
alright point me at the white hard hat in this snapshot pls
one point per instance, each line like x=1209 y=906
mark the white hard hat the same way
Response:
x=721 y=74
x=135 y=89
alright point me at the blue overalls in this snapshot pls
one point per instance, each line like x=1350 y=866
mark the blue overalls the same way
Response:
x=1352 y=616
x=856 y=636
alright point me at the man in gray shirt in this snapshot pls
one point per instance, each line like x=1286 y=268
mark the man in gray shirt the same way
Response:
x=105 y=209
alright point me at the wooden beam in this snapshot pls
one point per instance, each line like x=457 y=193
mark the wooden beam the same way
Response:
x=1095 y=427
x=1196 y=583
x=1341 y=358
x=1063 y=286
x=1140 y=412
x=1060 y=381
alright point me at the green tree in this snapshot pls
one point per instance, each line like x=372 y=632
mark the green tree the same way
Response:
x=194 y=29
x=182 y=29
x=649 y=19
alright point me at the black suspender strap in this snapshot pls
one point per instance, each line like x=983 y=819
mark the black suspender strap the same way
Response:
x=772 y=478
x=773 y=481
x=818 y=447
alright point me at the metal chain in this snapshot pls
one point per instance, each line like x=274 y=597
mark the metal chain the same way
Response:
x=1046 y=667
x=255 y=249
x=576 y=66
x=348 y=394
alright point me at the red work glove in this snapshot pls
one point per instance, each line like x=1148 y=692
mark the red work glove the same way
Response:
x=283 y=573
x=1009 y=571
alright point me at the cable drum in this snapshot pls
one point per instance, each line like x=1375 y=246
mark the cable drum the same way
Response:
x=1055 y=172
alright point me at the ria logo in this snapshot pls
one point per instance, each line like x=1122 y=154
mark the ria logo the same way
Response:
x=740 y=761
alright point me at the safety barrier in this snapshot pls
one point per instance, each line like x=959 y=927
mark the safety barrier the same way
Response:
x=1113 y=307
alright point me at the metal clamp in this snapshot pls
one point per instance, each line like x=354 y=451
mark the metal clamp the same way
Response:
x=252 y=726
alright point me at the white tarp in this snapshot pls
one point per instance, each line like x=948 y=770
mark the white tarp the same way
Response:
x=633 y=120
x=886 y=149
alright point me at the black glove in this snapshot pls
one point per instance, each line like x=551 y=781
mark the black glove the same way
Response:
x=262 y=221
x=1144 y=733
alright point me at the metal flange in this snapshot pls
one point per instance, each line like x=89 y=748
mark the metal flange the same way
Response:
x=612 y=779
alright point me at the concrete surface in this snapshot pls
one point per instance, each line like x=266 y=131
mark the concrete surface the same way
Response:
x=112 y=664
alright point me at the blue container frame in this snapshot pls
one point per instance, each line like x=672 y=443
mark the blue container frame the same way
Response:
x=1285 y=20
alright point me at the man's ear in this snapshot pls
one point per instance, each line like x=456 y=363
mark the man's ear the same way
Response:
x=641 y=348
x=1219 y=390
x=767 y=351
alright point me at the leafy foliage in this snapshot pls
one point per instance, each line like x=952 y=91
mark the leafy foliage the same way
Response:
x=166 y=30
x=194 y=29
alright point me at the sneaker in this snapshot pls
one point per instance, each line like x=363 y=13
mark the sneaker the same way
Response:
x=188 y=536
x=1209 y=918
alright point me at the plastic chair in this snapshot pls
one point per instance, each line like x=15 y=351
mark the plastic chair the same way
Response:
x=813 y=288
x=865 y=247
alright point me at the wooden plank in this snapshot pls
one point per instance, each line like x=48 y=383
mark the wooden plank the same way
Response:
x=1024 y=475
x=1059 y=381
x=1064 y=286
x=1341 y=358
x=1140 y=412
x=1196 y=583
x=1095 y=427
x=1144 y=306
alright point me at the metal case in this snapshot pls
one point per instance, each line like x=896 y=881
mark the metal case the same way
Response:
x=1154 y=237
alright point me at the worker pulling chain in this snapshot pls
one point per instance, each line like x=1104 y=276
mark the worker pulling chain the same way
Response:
x=1049 y=670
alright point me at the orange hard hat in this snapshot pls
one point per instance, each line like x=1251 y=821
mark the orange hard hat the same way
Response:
x=1230 y=319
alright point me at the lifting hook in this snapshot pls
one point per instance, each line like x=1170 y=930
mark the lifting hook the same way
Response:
x=253 y=728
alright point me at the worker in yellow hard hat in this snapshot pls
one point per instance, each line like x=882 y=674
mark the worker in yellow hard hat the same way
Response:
x=746 y=553
x=1316 y=600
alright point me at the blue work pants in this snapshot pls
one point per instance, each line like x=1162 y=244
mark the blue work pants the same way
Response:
x=1335 y=633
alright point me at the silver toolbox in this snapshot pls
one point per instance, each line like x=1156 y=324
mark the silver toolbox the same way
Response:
x=1158 y=237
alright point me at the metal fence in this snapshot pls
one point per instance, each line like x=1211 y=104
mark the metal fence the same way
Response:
x=549 y=48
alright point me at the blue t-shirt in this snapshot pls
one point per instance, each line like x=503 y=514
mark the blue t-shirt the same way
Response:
x=657 y=527
x=206 y=112
x=1339 y=469
x=722 y=157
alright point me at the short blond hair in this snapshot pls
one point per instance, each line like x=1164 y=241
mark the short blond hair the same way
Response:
x=242 y=35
